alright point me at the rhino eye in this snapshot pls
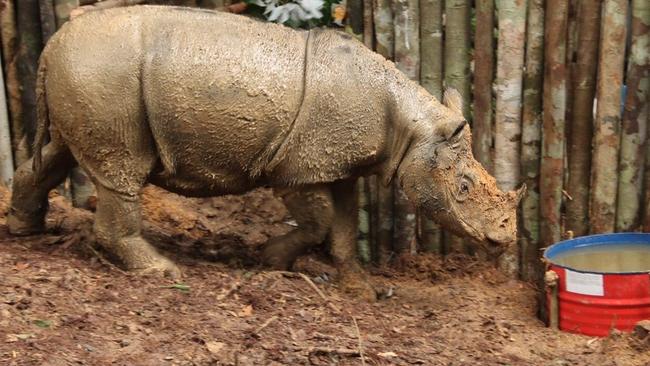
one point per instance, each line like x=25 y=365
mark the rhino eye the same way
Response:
x=464 y=186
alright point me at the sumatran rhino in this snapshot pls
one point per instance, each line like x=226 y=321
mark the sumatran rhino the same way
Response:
x=203 y=103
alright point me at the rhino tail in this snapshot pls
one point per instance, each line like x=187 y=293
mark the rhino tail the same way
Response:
x=42 y=120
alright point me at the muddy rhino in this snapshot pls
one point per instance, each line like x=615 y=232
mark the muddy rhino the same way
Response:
x=203 y=103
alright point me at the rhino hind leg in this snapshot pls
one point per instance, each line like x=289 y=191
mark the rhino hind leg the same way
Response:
x=313 y=210
x=29 y=198
x=117 y=226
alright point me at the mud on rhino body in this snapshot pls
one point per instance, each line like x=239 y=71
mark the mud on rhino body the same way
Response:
x=204 y=103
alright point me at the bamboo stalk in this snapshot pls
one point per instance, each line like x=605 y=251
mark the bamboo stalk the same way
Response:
x=6 y=157
x=407 y=60
x=354 y=16
x=62 y=10
x=368 y=37
x=372 y=196
x=48 y=22
x=553 y=124
x=507 y=134
x=607 y=127
x=483 y=77
x=384 y=31
x=384 y=37
x=106 y=4
x=9 y=35
x=363 y=245
x=635 y=119
x=431 y=79
x=457 y=50
x=584 y=90
x=531 y=135
x=30 y=45
x=431 y=46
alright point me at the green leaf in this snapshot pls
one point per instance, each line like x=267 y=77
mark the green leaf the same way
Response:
x=42 y=323
x=180 y=286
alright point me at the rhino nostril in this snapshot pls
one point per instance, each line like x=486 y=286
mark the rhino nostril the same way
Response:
x=504 y=223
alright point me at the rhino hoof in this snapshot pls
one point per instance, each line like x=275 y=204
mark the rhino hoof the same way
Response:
x=23 y=225
x=274 y=255
x=162 y=267
x=357 y=286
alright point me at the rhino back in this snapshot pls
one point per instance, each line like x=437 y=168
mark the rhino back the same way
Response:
x=213 y=93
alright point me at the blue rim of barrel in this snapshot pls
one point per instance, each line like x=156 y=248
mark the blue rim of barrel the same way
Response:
x=597 y=240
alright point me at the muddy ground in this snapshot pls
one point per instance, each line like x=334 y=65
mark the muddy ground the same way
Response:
x=63 y=303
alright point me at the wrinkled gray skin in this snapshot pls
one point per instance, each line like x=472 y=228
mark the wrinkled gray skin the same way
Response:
x=204 y=103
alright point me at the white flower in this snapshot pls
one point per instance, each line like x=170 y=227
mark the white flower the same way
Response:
x=299 y=10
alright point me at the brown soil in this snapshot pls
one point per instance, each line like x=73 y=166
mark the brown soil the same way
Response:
x=62 y=303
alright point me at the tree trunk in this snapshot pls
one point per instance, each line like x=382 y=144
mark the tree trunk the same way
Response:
x=584 y=90
x=62 y=10
x=635 y=119
x=431 y=80
x=531 y=135
x=431 y=46
x=483 y=77
x=30 y=45
x=407 y=60
x=553 y=124
x=9 y=55
x=384 y=31
x=48 y=22
x=354 y=15
x=457 y=50
x=604 y=177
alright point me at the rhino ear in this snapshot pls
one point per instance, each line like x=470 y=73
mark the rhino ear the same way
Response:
x=453 y=100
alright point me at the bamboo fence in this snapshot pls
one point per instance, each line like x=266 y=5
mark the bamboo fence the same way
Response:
x=556 y=92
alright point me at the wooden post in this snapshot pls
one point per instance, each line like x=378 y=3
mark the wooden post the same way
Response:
x=30 y=45
x=553 y=124
x=483 y=77
x=9 y=35
x=384 y=31
x=431 y=79
x=407 y=60
x=531 y=135
x=48 y=22
x=581 y=127
x=635 y=119
x=607 y=127
x=457 y=50
x=6 y=157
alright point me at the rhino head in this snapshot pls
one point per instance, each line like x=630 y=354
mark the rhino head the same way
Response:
x=439 y=174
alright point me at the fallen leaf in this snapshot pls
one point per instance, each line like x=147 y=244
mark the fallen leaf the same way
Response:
x=214 y=347
x=21 y=265
x=246 y=311
x=42 y=323
x=387 y=354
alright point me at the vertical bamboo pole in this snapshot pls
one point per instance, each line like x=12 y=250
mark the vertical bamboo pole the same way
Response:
x=457 y=50
x=354 y=16
x=367 y=24
x=363 y=244
x=456 y=67
x=9 y=34
x=607 y=127
x=48 y=22
x=507 y=141
x=635 y=119
x=6 y=157
x=483 y=78
x=384 y=31
x=384 y=36
x=531 y=135
x=407 y=60
x=431 y=79
x=30 y=44
x=584 y=90
x=553 y=124
x=62 y=9
x=431 y=46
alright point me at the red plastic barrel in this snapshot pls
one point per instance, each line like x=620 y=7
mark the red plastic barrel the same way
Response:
x=594 y=303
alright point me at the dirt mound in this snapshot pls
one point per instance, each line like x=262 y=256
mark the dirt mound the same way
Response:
x=61 y=304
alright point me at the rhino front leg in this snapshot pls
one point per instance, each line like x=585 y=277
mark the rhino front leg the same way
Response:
x=117 y=226
x=353 y=278
x=313 y=210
